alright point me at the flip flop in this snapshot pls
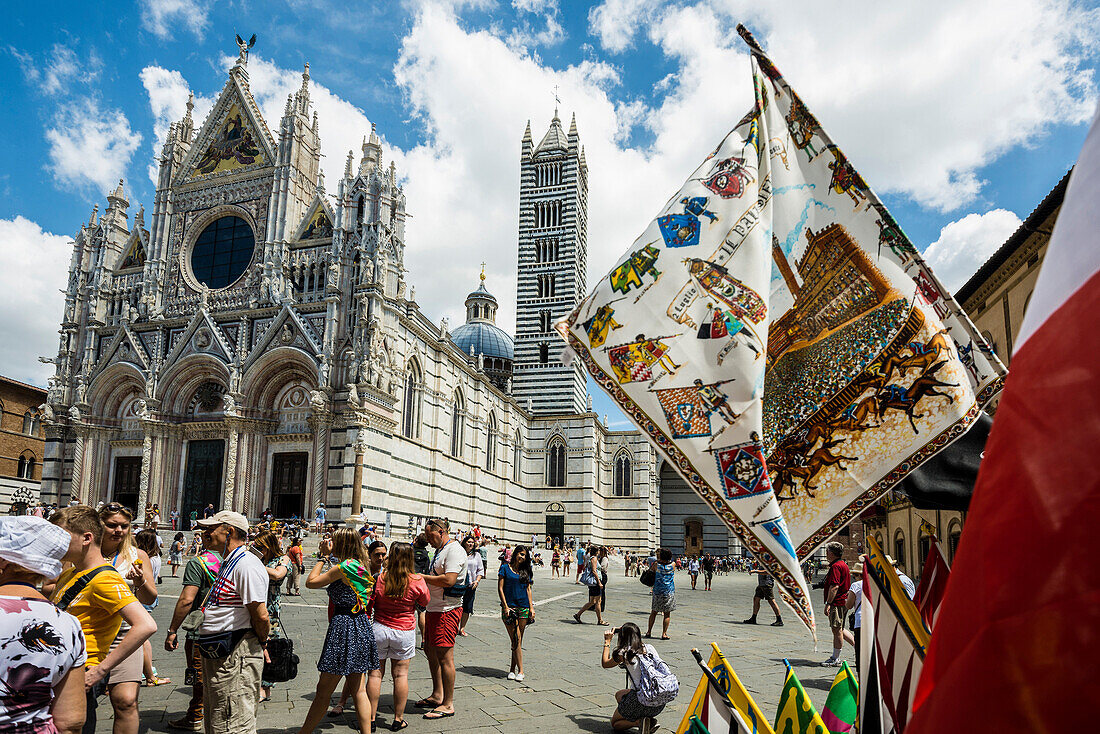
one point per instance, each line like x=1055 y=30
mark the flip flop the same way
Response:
x=425 y=703
x=438 y=714
x=578 y=618
x=664 y=637
x=157 y=681
x=399 y=725
x=335 y=712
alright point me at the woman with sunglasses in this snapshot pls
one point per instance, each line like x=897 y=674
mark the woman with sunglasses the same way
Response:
x=517 y=608
x=134 y=565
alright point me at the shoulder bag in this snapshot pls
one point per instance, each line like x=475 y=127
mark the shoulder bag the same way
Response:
x=78 y=586
x=284 y=663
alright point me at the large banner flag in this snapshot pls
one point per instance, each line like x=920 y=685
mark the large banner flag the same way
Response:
x=841 y=707
x=1008 y=655
x=933 y=579
x=898 y=639
x=796 y=713
x=722 y=683
x=780 y=340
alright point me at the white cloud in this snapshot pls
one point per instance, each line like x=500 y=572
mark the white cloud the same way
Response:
x=60 y=69
x=164 y=17
x=167 y=91
x=526 y=34
x=966 y=243
x=90 y=145
x=33 y=265
x=616 y=22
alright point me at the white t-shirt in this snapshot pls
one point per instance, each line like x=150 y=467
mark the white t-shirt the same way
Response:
x=856 y=589
x=451 y=558
x=474 y=567
x=632 y=668
x=245 y=584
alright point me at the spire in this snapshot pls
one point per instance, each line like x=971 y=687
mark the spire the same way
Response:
x=95 y=216
x=117 y=198
x=527 y=133
x=573 y=126
x=320 y=183
x=187 y=125
x=372 y=150
x=347 y=166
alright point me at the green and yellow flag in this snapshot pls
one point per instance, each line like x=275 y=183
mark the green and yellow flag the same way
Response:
x=753 y=718
x=796 y=715
x=842 y=705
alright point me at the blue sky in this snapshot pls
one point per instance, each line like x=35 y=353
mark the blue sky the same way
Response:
x=961 y=115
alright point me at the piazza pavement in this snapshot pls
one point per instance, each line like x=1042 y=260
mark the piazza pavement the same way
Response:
x=564 y=690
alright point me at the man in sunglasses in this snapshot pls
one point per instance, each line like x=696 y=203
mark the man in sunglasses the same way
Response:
x=443 y=617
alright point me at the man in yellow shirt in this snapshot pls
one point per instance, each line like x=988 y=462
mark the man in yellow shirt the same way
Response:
x=97 y=595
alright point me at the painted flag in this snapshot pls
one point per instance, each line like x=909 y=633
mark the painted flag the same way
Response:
x=1007 y=656
x=844 y=373
x=899 y=639
x=796 y=714
x=933 y=579
x=720 y=682
x=874 y=717
x=842 y=705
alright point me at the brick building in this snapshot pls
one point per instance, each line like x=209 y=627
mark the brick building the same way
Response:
x=22 y=443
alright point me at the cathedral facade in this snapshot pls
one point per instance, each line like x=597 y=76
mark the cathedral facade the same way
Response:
x=251 y=342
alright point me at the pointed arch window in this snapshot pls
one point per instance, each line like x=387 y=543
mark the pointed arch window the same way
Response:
x=517 y=458
x=491 y=444
x=623 y=481
x=26 y=465
x=458 y=425
x=411 y=402
x=360 y=209
x=555 y=463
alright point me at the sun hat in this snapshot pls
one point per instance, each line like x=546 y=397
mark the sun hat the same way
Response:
x=34 y=544
x=226 y=517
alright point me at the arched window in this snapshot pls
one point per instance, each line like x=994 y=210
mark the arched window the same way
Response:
x=28 y=423
x=491 y=444
x=458 y=425
x=954 y=534
x=360 y=208
x=622 y=474
x=517 y=458
x=26 y=465
x=899 y=547
x=410 y=425
x=555 y=464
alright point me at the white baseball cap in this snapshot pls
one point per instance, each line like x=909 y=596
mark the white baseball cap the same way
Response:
x=34 y=544
x=226 y=517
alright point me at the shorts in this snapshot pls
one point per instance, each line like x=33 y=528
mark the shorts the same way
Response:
x=631 y=709
x=594 y=592
x=517 y=612
x=394 y=644
x=468 y=601
x=129 y=670
x=767 y=593
x=836 y=617
x=663 y=603
x=441 y=628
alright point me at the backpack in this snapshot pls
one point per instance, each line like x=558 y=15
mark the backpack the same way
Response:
x=656 y=684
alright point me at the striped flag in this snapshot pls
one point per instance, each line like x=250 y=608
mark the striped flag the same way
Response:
x=842 y=704
x=796 y=713
x=1017 y=650
x=718 y=685
x=933 y=582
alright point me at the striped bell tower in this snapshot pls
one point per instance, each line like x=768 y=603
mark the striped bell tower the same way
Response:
x=553 y=258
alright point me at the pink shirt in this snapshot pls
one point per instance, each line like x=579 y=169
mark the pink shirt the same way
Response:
x=399 y=614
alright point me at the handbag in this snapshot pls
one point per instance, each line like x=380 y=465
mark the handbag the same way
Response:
x=588 y=578
x=648 y=577
x=284 y=663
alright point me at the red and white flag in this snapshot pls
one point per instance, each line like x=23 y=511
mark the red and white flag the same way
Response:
x=1017 y=639
x=933 y=583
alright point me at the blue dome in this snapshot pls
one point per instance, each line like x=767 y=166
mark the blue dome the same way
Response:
x=484 y=338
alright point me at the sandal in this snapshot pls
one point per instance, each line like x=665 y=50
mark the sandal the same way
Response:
x=425 y=703
x=337 y=710
x=157 y=681
x=577 y=617
x=665 y=637
x=437 y=714
x=399 y=724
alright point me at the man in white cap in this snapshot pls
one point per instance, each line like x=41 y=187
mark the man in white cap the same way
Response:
x=45 y=654
x=235 y=628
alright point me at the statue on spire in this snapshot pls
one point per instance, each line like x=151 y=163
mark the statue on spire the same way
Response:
x=242 y=60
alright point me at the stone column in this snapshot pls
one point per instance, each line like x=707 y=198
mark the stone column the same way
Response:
x=77 y=478
x=319 y=424
x=53 y=463
x=360 y=445
x=229 y=500
x=146 y=465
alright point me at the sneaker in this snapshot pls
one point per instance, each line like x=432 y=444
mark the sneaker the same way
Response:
x=511 y=675
x=831 y=663
x=519 y=677
x=777 y=623
x=186 y=724
x=750 y=620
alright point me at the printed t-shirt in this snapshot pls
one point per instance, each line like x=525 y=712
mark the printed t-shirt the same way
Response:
x=399 y=614
x=839 y=577
x=448 y=559
x=50 y=645
x=515 y=589
x=97 y=607
x=665 y=581
x=227 y=610
x=200 y=571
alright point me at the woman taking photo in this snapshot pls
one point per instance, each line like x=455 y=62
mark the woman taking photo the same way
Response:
x=397 y=593
x=630 y=712
x=517 y=609
x=475 y=572
x=134 y=565
x=44 y=654
x=349 y=648
x=590 y=575
x=267 y=547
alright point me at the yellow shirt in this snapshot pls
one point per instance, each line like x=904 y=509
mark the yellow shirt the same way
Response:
x=97 y=607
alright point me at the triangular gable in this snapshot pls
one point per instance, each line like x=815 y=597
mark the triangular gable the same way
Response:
x=234 y=137
x=286 y=330
x=317 y=223
x=137 y=248
x=202 y=336
x=125 y=347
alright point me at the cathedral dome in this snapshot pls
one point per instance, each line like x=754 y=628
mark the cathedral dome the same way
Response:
x=485 y=338
x=481 y=336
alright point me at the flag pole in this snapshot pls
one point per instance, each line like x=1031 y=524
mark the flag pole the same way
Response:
x=717 y=687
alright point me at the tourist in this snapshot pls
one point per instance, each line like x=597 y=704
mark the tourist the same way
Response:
x=267 y=546
x=566 y=561
x=517 y=608
x=208 y=511
x=349 y=648
x=765 y=591
x=580 y=564
x=555 y=563
x=475 y=572
x=192 y=519
x=146 y=540
x=664 y=591
x=693 y=571
x=422 y=562
x=294 y=553
x=175 y=553
x=590 y=575
x=154 y=520
x=443 y=617
x=198 y=577
x=603 y=560
x=174 y=517
x=910 y=587
x=320 y=515
x=629 y=712
x=398 y=591
x=837 y=582
x=234 y=629
x=376 y=555
x=854 y=603
x=104 y=604
x=50 y=660
x=708 y=570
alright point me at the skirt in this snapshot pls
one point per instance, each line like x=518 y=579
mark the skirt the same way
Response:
x=631 y=709
x=664 y=603
x=349 y=646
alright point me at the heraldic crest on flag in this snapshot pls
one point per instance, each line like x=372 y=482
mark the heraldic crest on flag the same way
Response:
x=783 y=344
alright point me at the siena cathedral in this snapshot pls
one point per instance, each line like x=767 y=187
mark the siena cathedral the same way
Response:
x=251 y=342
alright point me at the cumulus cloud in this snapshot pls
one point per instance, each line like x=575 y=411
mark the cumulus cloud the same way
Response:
x=163 y=18
x=59 y=70
x=966 y=243
x=33 y=267
x=90 y=146
x=616 y=22
x=167 y=91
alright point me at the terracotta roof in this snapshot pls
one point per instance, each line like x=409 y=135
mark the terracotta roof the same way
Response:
x=1052 y=201
x=13 y=381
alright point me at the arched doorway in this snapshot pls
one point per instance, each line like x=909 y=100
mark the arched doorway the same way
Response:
x=555 y=523
x=693 y=537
